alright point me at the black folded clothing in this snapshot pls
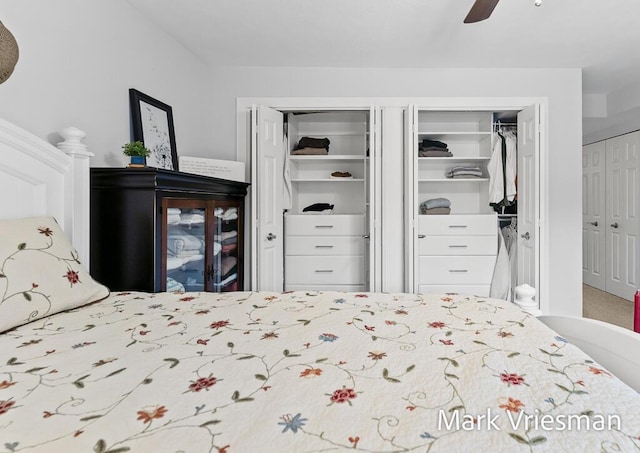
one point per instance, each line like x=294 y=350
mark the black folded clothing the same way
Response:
x=309 y=142
x=435 y=143
x=318 y=207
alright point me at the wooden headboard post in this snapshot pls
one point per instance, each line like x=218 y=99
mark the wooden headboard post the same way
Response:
x=38 y=179
x=77 y=190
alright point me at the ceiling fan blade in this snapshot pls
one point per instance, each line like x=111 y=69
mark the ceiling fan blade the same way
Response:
x=480 y=10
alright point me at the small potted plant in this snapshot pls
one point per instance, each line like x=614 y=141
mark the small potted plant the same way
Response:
x=137 y=152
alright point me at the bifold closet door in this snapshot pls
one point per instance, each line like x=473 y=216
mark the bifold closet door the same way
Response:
x=267 y=156
x=593 y=215
x=528 y=201
x=622 y=225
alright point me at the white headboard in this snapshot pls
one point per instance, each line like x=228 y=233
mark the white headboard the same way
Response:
x=38 y=179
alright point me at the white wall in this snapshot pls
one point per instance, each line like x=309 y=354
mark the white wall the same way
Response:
x=611 y=114
x=563 y=171
x=78 y=60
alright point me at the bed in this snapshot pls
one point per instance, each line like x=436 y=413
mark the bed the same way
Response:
x=85 y=369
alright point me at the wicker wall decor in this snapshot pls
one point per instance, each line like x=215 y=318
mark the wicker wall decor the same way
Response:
x=8 y=53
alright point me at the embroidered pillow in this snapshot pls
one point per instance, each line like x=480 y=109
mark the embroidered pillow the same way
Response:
x=40 y=273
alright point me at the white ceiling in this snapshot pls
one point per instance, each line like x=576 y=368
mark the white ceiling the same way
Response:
x=600 y=36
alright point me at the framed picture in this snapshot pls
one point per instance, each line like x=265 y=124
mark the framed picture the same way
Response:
x=153 y=125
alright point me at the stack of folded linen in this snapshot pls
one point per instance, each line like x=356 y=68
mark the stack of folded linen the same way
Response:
x=309 y=145
x=433 y=148
x=226 y=214
x=182 y=245
x=464 y=172
x=435 y=206
x=192 y=218
x=173 y=216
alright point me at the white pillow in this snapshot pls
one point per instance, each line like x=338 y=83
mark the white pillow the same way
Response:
x=40 y=273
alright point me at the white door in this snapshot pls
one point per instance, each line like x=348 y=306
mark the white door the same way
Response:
x=622 y=225
x=593 y=215
x=528 y=207
x=267 y=196
x=411 y=197
x=374 y=188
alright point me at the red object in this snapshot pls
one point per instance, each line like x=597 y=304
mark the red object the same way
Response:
x=636 y=312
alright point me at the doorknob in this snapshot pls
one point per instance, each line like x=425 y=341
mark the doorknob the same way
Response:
x=593 y=223
x=271 y=237
x=526 y=236
x=614 y=225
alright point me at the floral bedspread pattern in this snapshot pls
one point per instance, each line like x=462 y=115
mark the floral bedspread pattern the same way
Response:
x=305 y=372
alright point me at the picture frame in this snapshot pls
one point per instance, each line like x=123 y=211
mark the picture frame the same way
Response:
x=152 y=124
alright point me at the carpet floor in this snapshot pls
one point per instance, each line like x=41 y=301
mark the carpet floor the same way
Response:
x=603 y=306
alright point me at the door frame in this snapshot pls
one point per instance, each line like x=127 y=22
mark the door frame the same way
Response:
x=243 y=149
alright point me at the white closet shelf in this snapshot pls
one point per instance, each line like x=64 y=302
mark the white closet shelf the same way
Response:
x=453 y=135
x=453 y=159
x=327 y=157
x=453 y=179
x=329 y=180
x=331 y=134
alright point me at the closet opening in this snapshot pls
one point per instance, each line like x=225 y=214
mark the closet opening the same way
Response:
x=475 y=201
x=321 y=207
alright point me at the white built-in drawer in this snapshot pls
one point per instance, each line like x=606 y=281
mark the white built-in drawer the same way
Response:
x=324 y=225
x=438 y=270
x=471 y=290
x=309 y=287
x=324 y=270
x=458 y=245
x=458 y=224
x=324 y=245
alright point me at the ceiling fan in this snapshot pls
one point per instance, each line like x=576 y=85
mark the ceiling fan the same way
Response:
x=482 y=9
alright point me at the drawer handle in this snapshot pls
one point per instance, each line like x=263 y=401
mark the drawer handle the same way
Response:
x=458 y=246
x=324 y=226
x=324 y=246
x=324 y=271
x=421 y=236
x=457 y=226
x=458 y=270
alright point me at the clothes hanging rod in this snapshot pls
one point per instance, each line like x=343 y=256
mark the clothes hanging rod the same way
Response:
x=507 y=215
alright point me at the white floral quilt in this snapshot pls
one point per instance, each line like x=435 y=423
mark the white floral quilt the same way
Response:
x=305 y=372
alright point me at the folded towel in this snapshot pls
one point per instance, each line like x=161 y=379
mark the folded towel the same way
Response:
x=227 y=248
x=228 y=263
x=310 y=142
x=432 y=148
x=436 y=203
x=173 y=219
x=454 y=172
x=191 y=218
x=177 y=243
x=309 y=151
x=225 y=235
x=435 y=211
x=174 y=285
x=230 y=214
x=173 y=211
x=193 y=255
x=434 y=153
x=437 y=143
